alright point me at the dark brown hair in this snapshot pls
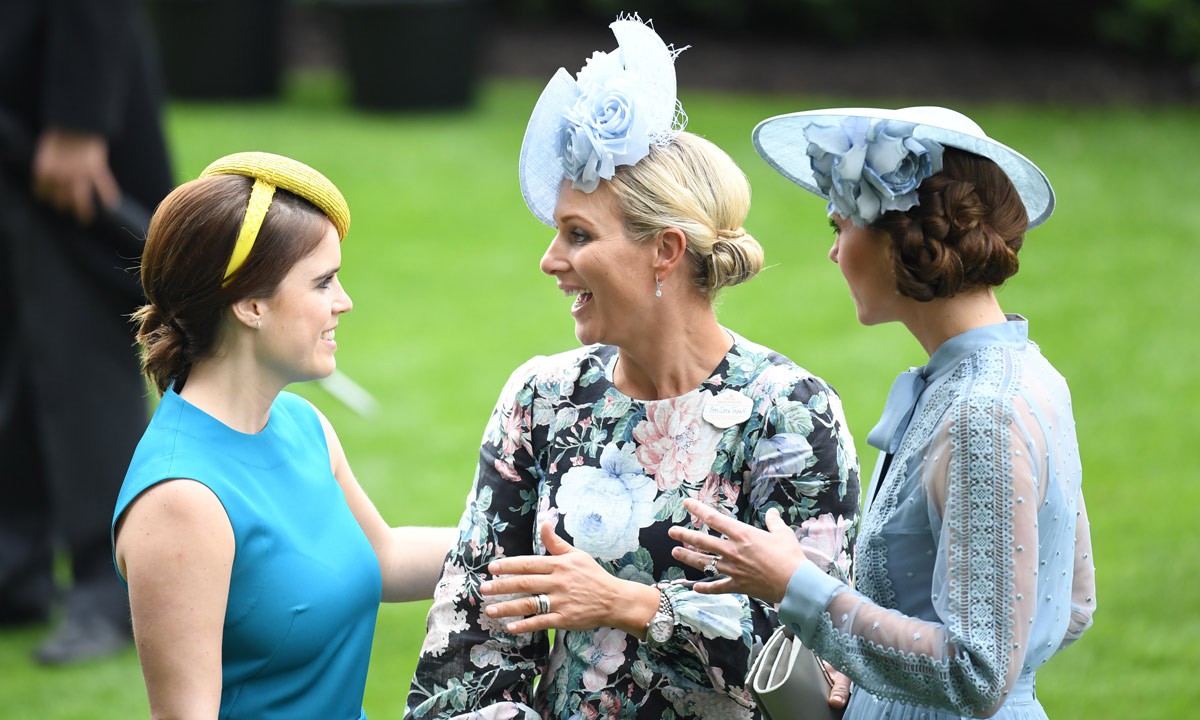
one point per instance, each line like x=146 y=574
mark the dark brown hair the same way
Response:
x=964 y=233
x=187 y=251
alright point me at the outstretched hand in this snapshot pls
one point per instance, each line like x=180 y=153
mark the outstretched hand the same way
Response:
x=582 y=595
x=753 y=562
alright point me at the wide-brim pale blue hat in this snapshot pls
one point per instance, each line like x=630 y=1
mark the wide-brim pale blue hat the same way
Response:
x=783 y=141
x=582 y=129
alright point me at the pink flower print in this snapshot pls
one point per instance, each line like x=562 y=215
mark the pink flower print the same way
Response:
x=719 y=492
x=823 y=539
x=576 y=461
x=675 y=444
x=610 y=704
x=604 y=656
x=506 y=470
x=514 y=432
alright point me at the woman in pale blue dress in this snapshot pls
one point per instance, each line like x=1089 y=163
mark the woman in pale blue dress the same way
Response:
x=974 y=557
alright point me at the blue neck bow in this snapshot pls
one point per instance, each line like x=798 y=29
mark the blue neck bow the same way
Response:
x=898 y=411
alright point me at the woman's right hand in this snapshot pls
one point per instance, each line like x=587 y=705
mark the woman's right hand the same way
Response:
x=753 y=562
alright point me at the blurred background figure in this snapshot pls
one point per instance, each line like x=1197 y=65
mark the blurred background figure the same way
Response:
x=83 y=158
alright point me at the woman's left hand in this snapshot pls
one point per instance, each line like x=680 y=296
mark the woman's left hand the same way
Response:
x=754 y=562
x=582 y=595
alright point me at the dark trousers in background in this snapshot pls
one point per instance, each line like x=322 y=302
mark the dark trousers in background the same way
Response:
x=72 y=408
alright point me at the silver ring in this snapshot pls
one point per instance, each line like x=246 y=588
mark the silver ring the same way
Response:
x=543 y=604
x=711 y=568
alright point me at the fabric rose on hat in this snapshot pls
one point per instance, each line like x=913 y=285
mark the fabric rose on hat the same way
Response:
x=869 y=167
x=604 y=127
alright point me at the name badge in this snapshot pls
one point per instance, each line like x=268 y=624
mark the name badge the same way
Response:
x=727 y=408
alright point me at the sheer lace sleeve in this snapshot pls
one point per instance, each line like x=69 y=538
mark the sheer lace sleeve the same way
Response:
x=1083 y=582
x=981 y=476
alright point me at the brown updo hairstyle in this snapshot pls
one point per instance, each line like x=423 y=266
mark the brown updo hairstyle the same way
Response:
x=964 y=233
x=191 y=238
x=693 y=185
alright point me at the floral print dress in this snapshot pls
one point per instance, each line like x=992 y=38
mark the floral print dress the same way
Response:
x=565 y=446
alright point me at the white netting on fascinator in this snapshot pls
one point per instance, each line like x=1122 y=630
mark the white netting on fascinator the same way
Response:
x=621 y=103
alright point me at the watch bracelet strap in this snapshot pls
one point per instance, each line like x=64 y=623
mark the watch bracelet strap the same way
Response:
x=666 y=606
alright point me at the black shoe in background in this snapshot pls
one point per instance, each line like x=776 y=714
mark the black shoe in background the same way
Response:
x=83 y=637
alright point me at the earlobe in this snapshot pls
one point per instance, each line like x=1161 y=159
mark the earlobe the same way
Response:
x=248 y=312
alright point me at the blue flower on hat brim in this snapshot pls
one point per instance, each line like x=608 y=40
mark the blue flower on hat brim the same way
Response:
x=583 y=128
x=784 y=141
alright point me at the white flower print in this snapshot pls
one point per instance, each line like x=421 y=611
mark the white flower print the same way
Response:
x=443 y=617
x=605 y=508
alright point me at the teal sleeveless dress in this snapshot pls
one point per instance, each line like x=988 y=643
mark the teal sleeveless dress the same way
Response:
x=305 y=586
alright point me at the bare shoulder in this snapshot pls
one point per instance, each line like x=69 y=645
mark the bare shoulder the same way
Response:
x=181 y=502
x=173 y=514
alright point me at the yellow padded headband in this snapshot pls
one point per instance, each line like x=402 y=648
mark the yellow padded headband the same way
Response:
x=269 y=172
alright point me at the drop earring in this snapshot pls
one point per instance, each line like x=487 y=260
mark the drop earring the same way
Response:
x=657 y=286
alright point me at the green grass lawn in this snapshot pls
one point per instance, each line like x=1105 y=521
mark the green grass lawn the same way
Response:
x=442 y=263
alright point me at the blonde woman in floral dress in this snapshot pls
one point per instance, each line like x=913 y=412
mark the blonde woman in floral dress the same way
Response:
x=590 y=454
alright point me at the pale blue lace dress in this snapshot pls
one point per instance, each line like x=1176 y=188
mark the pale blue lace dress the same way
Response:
x=974 y=559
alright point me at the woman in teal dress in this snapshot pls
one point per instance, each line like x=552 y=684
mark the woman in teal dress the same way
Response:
x=254 y=560
x=974 y=558
x=589 y=454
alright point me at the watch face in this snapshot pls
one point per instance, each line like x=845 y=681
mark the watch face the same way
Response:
x=661 y=627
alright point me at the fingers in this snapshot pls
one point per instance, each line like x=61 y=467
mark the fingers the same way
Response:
x=536 y=623
x=80 y=202
x=555 y=545
x=711 y=517
x=516 y=584
x=522 y=565
x=519 y=607
x=526 y=609
x=106 y=187
x=717 y=587
x=775 y=523
x=708 y=543
x=691 y=557
x=839 y=694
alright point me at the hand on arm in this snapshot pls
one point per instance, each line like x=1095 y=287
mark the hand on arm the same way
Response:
x=70 y=171
x=583 y=595
x=175 y=547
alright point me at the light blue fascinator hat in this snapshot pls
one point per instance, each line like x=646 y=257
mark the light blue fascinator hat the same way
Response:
x=867 y=161
x=620 y=104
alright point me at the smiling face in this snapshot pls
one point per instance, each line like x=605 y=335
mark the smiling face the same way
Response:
x=865 y=259
x=595 y=261
x=297 y=327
